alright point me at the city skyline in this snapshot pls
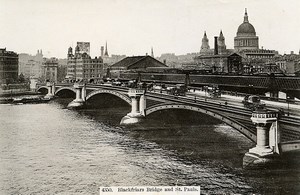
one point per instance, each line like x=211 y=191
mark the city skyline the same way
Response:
x=133 y=27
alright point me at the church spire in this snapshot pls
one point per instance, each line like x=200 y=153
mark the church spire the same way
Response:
x=205 y=45
x=246 y=16
x=152 y=54
x=221 y=35
x=221 y=43
x=106 y=53
x=205 y=36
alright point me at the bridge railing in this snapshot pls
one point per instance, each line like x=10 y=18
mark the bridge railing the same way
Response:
x=264 y=114
x=133 y=91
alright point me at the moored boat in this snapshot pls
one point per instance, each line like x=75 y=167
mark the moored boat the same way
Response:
x=28 y=100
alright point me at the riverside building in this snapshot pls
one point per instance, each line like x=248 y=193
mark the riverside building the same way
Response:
x=80 y=65
x=8 y=66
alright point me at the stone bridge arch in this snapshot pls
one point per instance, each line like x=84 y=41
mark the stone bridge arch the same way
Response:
x=106 y=91
x=42 y=87
x=231 y=122
x=65 y=88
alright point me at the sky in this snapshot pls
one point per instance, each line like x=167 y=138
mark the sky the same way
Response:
x=132 y=27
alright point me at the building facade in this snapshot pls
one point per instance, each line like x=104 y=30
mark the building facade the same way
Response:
x=227 y=63
x=288 y=63
x=135 y=63
x=31 y=66
x=8 y=66
x=80 y=65
x=50 y=67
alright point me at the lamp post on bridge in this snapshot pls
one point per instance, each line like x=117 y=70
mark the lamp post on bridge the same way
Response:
x=288 y=104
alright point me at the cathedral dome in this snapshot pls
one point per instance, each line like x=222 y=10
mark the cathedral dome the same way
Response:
x=246 y=29
x=246 y=36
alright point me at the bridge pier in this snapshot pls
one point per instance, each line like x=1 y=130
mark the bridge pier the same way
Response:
x=83 y=93
x=266 y=150
x=80 y=96
x=51 y=90
x=138 y=105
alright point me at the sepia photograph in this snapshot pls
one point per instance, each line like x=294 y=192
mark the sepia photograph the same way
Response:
x=149 y=97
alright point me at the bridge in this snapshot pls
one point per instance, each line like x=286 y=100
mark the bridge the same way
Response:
x=243 y=83
x=273 y=133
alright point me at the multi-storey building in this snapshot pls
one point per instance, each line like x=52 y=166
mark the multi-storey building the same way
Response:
x=50 y=69
x=289 y=63
x=31 y=66
x=8 y=66
x=81 y=66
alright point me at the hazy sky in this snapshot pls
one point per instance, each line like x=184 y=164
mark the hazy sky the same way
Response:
x=132 y=27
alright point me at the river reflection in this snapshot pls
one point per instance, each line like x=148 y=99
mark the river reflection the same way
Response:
x=47 y=149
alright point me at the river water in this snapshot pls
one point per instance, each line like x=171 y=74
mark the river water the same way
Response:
x=48 y=149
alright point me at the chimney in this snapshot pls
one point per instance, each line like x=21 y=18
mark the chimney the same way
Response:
x=216 y=45
x=165 y=61
x=292 y=52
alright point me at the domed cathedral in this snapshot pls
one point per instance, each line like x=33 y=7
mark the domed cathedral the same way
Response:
x=246 y=36
x=246 y=56
x=246 y=44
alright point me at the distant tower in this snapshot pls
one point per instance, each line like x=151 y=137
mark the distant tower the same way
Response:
x=70 y=52
x=205 y=45
x=102 y=51
x=106 y=53
x=152 y=54
x=221 y=43
x=77 y=50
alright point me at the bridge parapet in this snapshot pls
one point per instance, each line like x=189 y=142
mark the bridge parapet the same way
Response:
x=264 y=116
x=78 y=85
x=135 y=92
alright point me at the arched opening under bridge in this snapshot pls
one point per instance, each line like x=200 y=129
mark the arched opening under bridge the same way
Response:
x=107 y=98
x=212 y=116
x=43 y=90
x=65 y=92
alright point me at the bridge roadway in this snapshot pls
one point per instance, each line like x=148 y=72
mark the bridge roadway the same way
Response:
x=233 y=113
x=292 y=109
x=263 y=84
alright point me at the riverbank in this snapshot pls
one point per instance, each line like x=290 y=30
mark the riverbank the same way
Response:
x=9 y=93
x=8 y=98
